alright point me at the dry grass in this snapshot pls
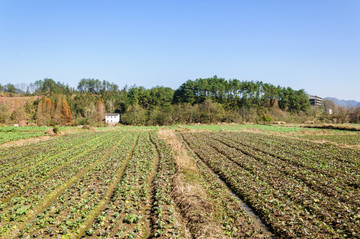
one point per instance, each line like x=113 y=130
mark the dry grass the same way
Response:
x=188 y=193
x=182 y=160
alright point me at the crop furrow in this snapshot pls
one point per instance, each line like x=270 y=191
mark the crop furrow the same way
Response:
x=264 y=199
x=238 y=219
x=109 y=194
x=31 y=214
x=25 y=181
x=124 y=214
x=308 y=151
x=350 y=179
x=31 y=152
x=49 y=156
x=325 y=208
x=329 y=186
x=166 y=220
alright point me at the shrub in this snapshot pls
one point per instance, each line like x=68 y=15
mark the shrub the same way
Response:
x=55 y=129
x=266 y=119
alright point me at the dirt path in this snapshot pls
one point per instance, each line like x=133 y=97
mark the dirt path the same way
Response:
x=188 y=193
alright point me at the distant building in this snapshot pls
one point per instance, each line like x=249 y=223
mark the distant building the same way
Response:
x=315 y=100
x=112 y=118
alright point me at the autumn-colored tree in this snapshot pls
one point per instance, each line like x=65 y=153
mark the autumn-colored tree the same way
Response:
x=48 y=108
x=45 y=111
x=100 y=110
x=66 y=112
x=58 y=119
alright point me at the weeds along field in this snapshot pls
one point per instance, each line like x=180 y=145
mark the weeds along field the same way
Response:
x=166 y=183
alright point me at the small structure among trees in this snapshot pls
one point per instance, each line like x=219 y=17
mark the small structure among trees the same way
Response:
x=112 y=118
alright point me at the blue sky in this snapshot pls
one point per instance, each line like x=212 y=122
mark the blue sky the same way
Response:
x=304 y=44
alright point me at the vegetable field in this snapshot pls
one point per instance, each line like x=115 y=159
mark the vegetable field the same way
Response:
x=142 y=183
x=15 y=133
x=299 y=189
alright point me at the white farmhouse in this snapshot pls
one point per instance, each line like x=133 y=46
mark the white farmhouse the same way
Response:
x=112 y=118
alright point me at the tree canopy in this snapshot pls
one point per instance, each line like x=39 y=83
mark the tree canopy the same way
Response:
x=209 y=100
x=236 y=94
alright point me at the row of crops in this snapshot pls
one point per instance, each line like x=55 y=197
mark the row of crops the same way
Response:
x=11 y=133
x=11 y=136
x=94 y=184
x=128 y=184
x=298 y=188
x=342 y=139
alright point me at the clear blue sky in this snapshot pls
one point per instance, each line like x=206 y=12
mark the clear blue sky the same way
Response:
x=309 y=44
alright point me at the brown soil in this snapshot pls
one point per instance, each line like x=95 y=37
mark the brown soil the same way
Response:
x=188 y=193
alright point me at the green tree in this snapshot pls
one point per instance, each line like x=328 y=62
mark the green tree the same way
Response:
x=10 y=88
x=135 y=115
x=211 y=112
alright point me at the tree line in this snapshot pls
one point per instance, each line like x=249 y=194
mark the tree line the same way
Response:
x=204 y=100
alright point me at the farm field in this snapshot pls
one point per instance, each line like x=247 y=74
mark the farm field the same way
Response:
x=180 y=182
x=8 y=134
x=11 y=133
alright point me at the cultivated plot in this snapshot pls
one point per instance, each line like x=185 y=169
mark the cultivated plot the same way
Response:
x=145 y=183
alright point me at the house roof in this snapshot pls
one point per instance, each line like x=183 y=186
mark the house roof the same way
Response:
x=112 y=114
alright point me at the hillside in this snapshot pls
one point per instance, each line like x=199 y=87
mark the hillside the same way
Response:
x=13 y=103
x=345 y=103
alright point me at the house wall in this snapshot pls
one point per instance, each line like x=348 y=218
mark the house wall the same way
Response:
x=112 y=119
